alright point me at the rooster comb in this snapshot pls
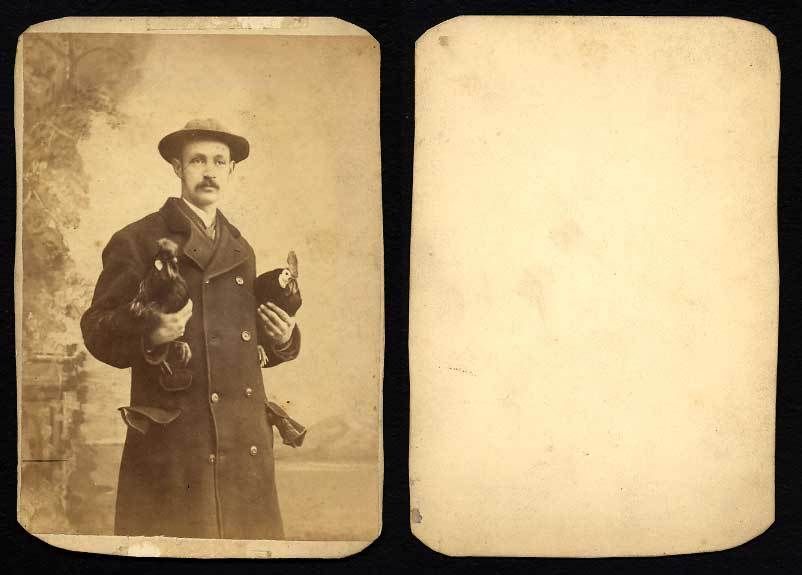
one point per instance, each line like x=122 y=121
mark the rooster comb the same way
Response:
x=292 y=263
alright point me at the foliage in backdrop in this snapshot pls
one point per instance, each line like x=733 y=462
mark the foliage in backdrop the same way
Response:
x=70 y=81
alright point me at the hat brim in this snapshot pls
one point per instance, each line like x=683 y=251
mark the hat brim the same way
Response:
x=170 y=146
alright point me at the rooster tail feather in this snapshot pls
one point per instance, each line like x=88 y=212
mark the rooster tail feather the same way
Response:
x=137 y=305
x=136 y=308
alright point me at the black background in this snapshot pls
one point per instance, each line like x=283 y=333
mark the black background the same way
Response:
x=396 y=26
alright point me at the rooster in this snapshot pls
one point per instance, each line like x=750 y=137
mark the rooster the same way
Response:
x=163 y=291
x=279 y=286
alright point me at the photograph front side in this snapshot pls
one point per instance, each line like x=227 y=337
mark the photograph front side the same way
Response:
x=179 y=195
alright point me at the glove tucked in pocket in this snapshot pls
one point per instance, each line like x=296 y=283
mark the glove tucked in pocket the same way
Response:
x=292 y=433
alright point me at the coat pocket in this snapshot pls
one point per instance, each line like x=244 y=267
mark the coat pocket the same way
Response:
x=162 y=365
x=142 y=417
x=178 y=380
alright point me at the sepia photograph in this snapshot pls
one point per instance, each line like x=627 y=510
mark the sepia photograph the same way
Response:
x=200 y=327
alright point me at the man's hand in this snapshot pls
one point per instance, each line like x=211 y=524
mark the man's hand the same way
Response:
x=171 y=325
x=277 y=323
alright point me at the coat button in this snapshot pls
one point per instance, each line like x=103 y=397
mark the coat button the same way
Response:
x=248 y=392
x=246 y=335
x=212 y=458
x=215 y=398
x=254 y=451
x=239 y=280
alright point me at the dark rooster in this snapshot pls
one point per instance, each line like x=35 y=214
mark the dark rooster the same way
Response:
x=279 y=286
x=163 y=290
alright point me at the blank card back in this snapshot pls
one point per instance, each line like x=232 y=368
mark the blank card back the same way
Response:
x=594 y=285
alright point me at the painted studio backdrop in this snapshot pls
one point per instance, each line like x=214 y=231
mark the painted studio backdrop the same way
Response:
x=95 y=107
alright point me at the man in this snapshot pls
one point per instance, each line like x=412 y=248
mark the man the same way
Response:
x=198 y=455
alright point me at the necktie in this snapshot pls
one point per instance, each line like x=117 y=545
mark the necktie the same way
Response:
x=210 y=230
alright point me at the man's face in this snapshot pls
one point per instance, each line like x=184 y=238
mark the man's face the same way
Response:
x=205 y=168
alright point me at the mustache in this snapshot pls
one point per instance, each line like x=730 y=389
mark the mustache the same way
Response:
x=207 y=184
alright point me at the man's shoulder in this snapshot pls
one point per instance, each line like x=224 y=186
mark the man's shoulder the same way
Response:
x=142 y=230
x=150 y=221
x=235 y=231
x=244 y=242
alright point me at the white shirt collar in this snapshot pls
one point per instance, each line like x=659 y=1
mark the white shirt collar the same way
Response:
x=206 y=218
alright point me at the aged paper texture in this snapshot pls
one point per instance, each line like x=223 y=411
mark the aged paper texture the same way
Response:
x=147 y=430
x=594 y=285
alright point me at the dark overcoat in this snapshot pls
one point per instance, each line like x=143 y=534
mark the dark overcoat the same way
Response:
x=198 y=454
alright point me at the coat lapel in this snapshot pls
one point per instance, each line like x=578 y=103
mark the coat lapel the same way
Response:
x=178 y=223
x=229 y=251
